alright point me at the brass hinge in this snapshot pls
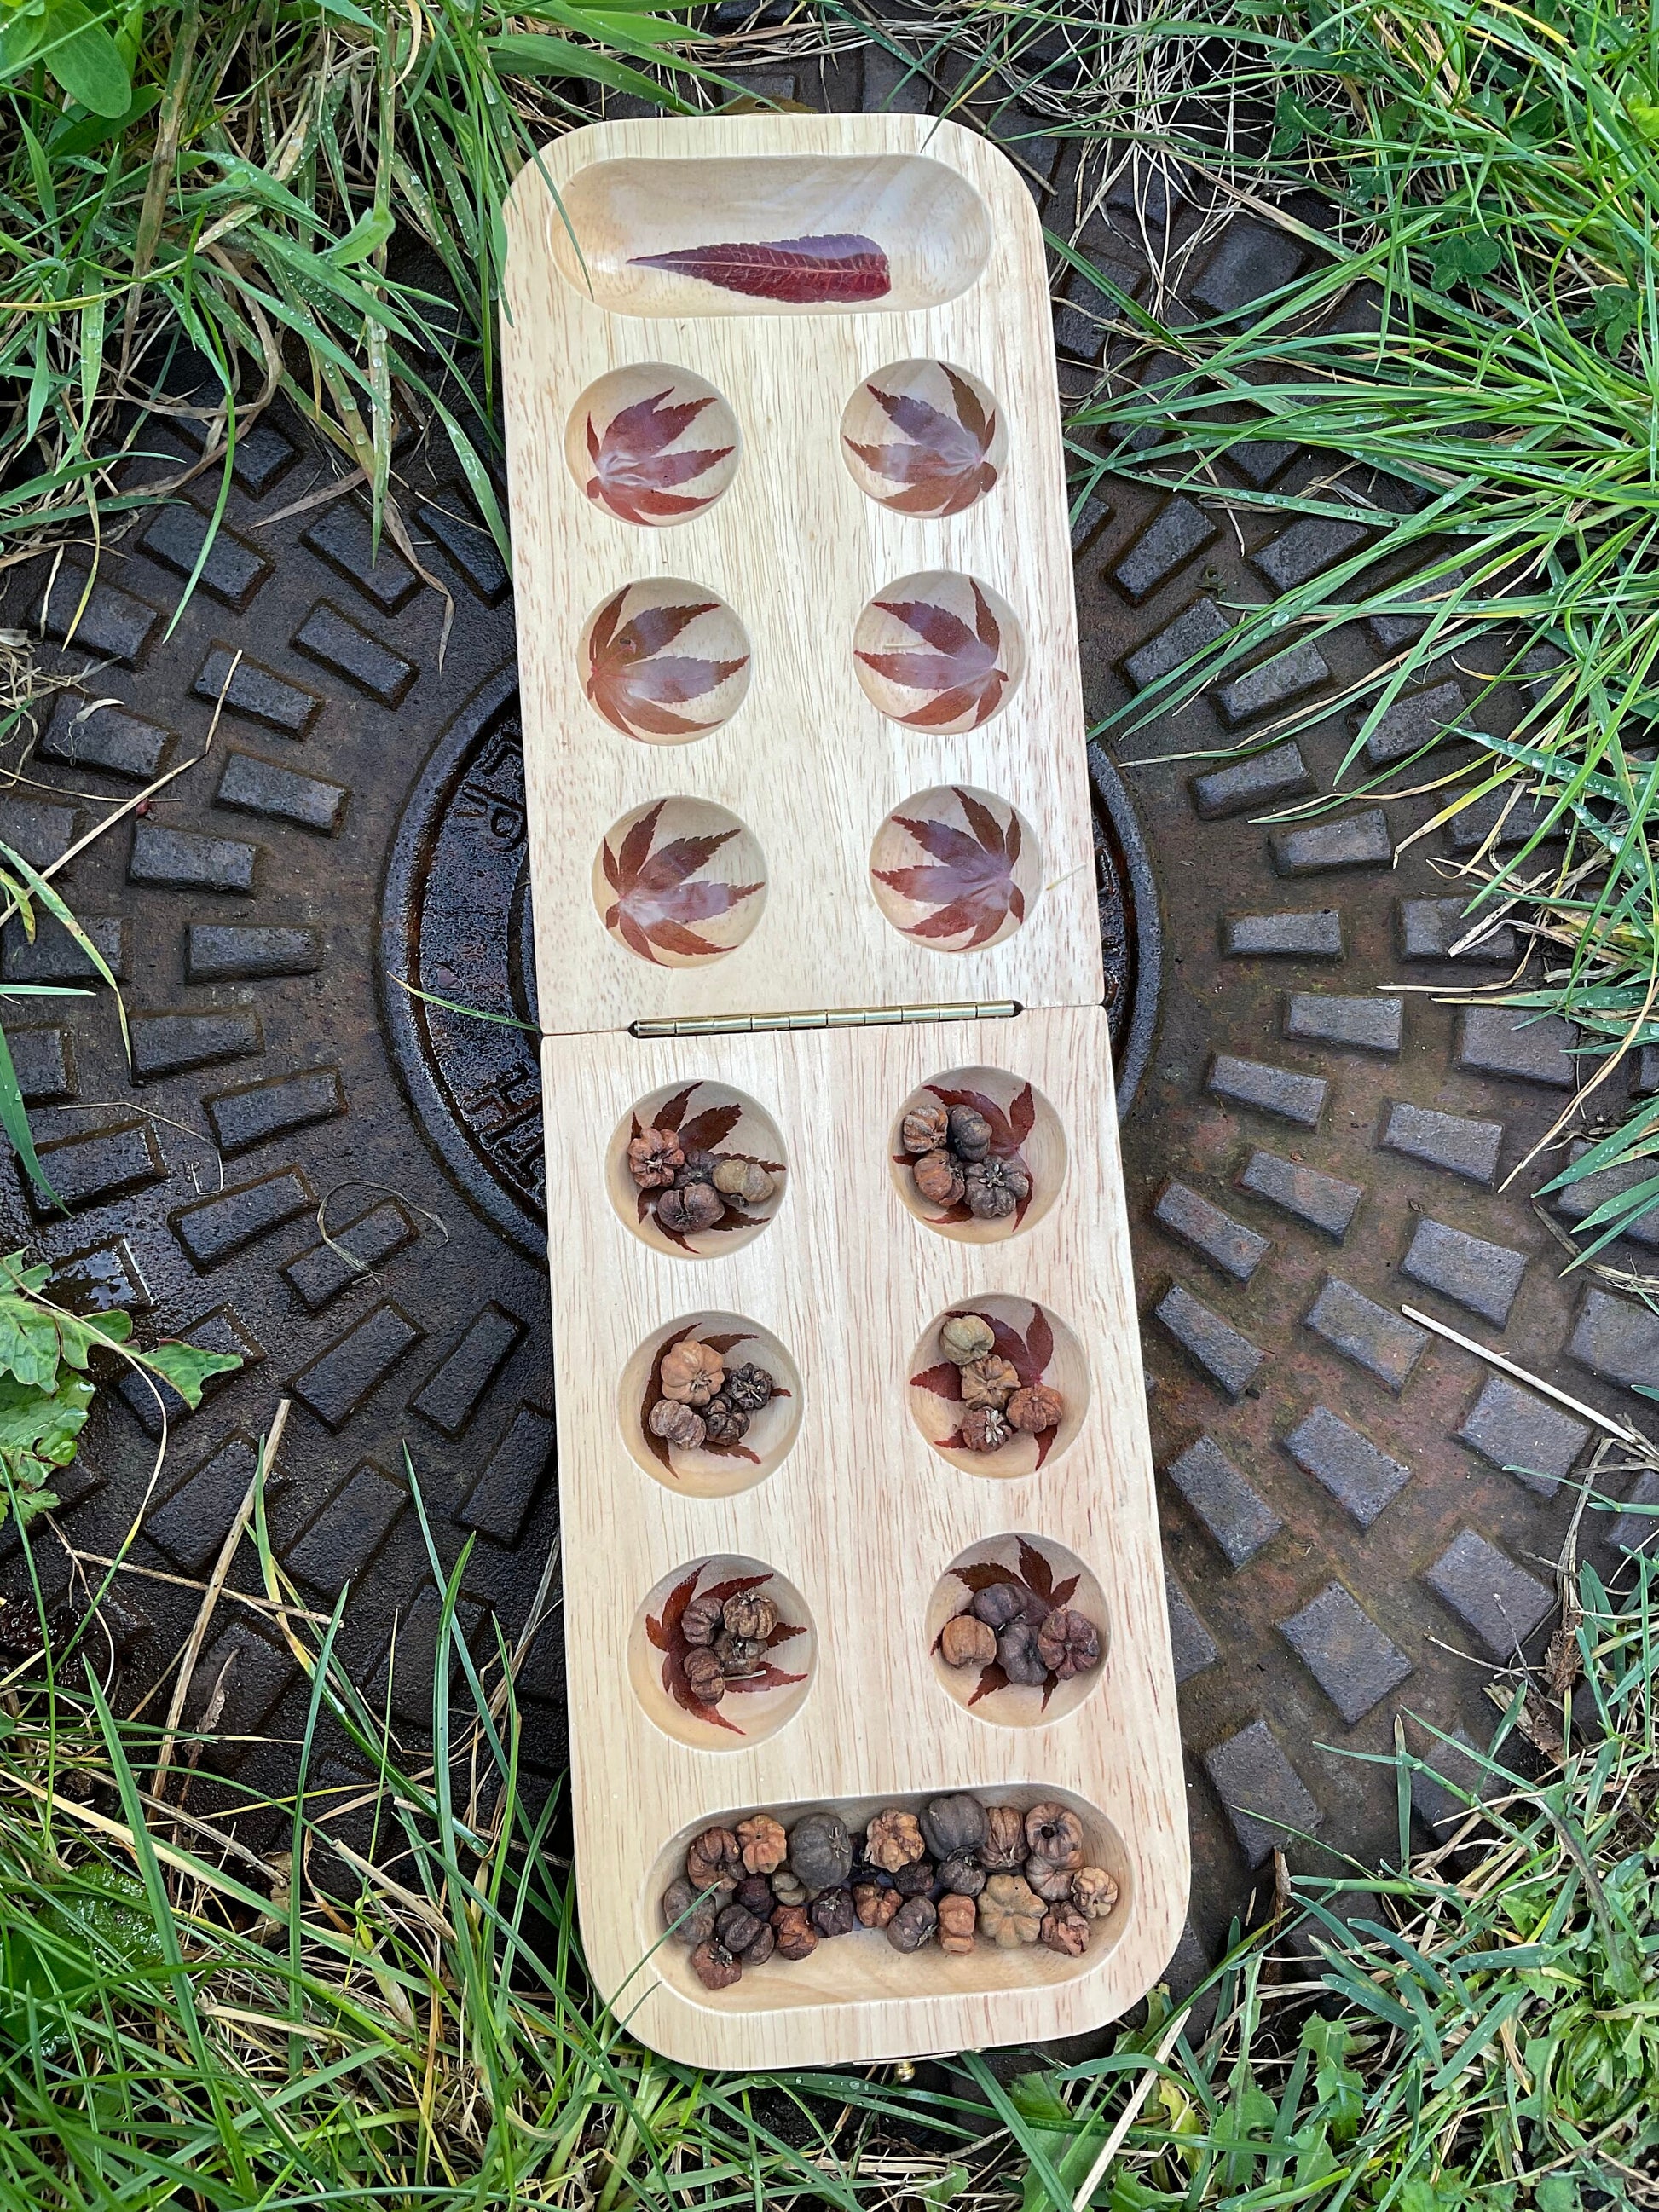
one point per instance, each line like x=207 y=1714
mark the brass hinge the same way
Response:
x=827 y=1018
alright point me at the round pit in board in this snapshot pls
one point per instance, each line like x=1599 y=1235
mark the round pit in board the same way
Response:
x=939 y=651
x=682 y=1147
x=998 y=1386
x=652 y=444
x=721 y=1652
x=679 y=883
x=924 y=438
x=954 y=1891
x=664 y=661
x=1017 y=1626
x=710 y=1405
x=956 y=869
x=991 y=1134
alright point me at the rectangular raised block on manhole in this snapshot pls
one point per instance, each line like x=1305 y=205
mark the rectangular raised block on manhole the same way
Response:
x=1373 y=1023
x=215 y=1229
x=343 y=535
x=1346 y=1653
x=1361 y=1477
x=254 y=1113
x=1500 y=1601
x=1278 y=1091
x=1315 y=934
x=451 y=1396
x=1192 y=1645
x=1240 y=1521
x=1226 y=1356
x=1414 y=720
x=41 y=832
x=222 y=1330
x=232 y=571
x=1457 y=1143
x=1513 y=1041
x=1323 y=1201
x=43 y=1062
x=247 y=688
x=1258 y=780
x=1434 y=929
x=1617 y=1341
x=1180 y=530
x=340 y=1380
x=1509 y=816
x=105 y=1163
x=190 y=1527
x=1311 y=543
x=172 y=1044
x=250 y=784
x=1200 y=624
x=1276 y=683
x=55 y=957
x=1226 y=1244
x=1383 y=1343
x=347 y=1532
x=470 y=549
x=332 y=640
x=106 y=621
x=179 y=860
x=507 y=1489
x=243 y=952
x=1593 y=1191
x=1481 y=1276
x=1261 y=1793
x=322 y=1272
x=104 y=735
x=1524 y=1435
x=1315 y=848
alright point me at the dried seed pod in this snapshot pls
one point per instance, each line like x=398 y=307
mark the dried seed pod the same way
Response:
x=1055 y=1833
x=745 y=1180
x=989 y=1381
x=958 y=1916
x=916 y=1880
x=994 y=1188
x=749 y=1387
x=962 y=1877
x=1010 y=1912
x=999 y=1603
x=712 y=1859
x=1052 y=1883
x=893 y=1839
x=714 y=1966
x=1069 y=1643
x=939 y=1178
x=970 y=1133
x=874 y=1905
x=1004 y=1847
x=763 y=1843
x=702 y=1619
x=703 y=1676
x=832 y=1912
x=682 y=1427
x=963 y=1337
x=952 y=1826
x=795 y=1934
x=787 y=1887
x=1017 y=1650
x=1035 y=1408
x=967 y=1642
x=983 y=1430
x=723 y=1422
x=690 y=1372
x=1065 y=1930
x=754 y=1892
x=924 y=1129
x=684 y=1212
x=699 y=1167
x=913 y=1925
x=688 y=1917
x=747 y=1613
x=739 y=1655
x=821 y=1850
x=1094 y=1892
x=737 y=1929
x=654 y=1159
x=761 y=1949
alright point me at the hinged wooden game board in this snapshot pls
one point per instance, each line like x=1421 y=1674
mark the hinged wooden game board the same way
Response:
x=812 y=848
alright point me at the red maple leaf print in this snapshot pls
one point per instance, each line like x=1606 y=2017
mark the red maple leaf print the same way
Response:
x=962 y=671
x=635 y=683
x=942 y=466
x=800 y=271
x=657 y=895
x=972 y=889
x=634 y=472
x=664 y=1632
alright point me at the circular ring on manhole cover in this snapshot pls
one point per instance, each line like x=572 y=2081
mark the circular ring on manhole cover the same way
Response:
x=455 y=923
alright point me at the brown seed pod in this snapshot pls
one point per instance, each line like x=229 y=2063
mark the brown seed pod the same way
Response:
x=994 y=1188
x=939 y=1178
x=916 y=1880
x=1017 y=1650
x=761 y=1949
x=737 y=1929
x=795 y=1934
x=913 y=1925
x=966 y=1642
x=763 y=1841
x=702 y=1621
x=685 y=1210
x=714 y=1966
x=1054 y=1834
x=1035 y=1408
x=688 y=1917
x=714 y=1860
x=983 y=1430
x=924 y=1129
x=749 y=1387
x=821 y=1850
x=690 y=1372
x=747 y=1613
x=1065 y=1930
x=723 y=1422
x=963 y=1337
x=1004 y=1848
x=1094 y=1892
x=739 y=1655
x=954 y=1826
x=1010 y=1912
x=989 y=1381
x=654 y=1158
x=745 y=1180
x=703 y=1676
x=1069 y=1643
x=832 y=1912
x=999 y=1603
x=874 y=1905
x=680 y=1425
x=787 y=1887
x=970 y=1133
x=754 y=1892
x=958 y=1916
x=1052 y=1883
x=962 y=1877
x=893 y=1839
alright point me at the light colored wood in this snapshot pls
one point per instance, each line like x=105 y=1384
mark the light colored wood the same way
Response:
x=863 y=1518
x=795 y=549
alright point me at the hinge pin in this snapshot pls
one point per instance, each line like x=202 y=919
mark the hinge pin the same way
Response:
x=828 y=1017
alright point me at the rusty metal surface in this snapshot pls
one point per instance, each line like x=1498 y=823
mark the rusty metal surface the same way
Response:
x=1340 y=1550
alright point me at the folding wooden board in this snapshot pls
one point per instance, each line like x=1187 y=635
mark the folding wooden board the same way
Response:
x=734 y=818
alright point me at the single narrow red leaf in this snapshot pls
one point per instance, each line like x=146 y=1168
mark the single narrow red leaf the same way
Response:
x=799 y=271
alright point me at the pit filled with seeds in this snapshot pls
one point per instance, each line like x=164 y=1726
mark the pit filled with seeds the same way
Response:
x=1017 y=1630
x=721 y=1652
x=978 y=1155
x=999 y=1386
x=696 y=1168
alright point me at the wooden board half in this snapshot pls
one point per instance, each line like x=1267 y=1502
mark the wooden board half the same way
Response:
x=862 y=1518
x=796 y=549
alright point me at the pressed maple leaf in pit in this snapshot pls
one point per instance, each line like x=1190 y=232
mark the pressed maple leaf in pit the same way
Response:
x=637 y=471
x=824 y=271
x=1040 y=1594
x=661 y=894
x=665 y=1635
x=941 y=462
x=962 y=675
x=637 y=684
x=967 y=886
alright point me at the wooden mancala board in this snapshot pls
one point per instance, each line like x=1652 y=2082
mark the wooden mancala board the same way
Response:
x=811 y=848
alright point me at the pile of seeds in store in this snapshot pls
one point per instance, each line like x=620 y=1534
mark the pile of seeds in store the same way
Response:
x=957 y=1873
